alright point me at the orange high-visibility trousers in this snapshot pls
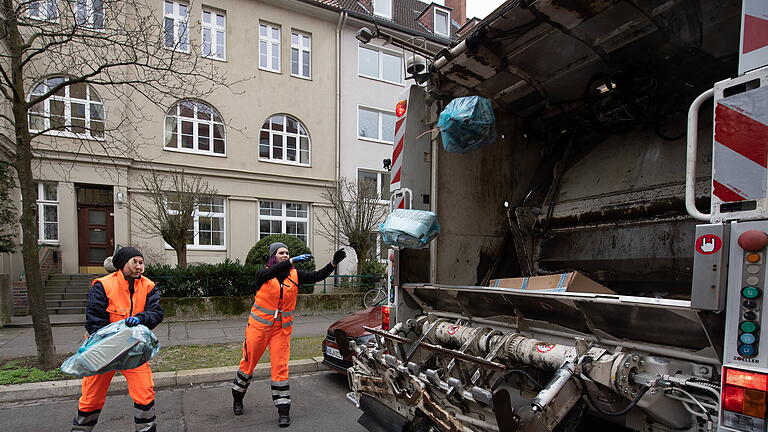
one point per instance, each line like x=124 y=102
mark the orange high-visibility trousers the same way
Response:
x=141 y=388
x=257 y=339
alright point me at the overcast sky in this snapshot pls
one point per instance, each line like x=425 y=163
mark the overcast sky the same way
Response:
x=477 y=8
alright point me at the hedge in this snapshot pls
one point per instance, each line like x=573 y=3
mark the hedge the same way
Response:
x=229 y=278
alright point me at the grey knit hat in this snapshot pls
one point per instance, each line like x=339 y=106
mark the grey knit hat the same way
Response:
x=275 y=246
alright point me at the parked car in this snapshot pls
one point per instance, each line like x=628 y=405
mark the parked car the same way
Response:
x=352 y=325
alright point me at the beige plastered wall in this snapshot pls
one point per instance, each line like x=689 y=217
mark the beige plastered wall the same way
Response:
x=240 y=176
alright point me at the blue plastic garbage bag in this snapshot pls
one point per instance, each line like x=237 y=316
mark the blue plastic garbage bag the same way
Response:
x=409 y=228
x=113 y=347
x=466 y=124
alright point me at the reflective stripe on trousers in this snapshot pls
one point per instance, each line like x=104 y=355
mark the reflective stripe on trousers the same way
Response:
x=281 y=393
x=144 y=417
x=84 y=421
x=241 y=382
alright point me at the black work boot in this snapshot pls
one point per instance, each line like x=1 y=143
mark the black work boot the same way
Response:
x=283 y=419
x=237 y=403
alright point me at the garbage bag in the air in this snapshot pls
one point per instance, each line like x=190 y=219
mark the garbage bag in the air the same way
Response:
x=113 y=347
x=409 y=228
x=466 y=124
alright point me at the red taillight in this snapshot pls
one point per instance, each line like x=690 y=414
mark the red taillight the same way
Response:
x=733 y=398
x=400 y=108
x=750 y=380
x=385 y=317
x=745 y=392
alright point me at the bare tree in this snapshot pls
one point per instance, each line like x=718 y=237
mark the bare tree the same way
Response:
x=8 y=218
x=170 y=210
x=54 y=48
x=353 y=217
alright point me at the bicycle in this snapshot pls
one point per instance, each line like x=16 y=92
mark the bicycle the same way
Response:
x=374 y=296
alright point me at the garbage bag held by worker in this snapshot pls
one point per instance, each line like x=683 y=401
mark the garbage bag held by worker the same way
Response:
x=467 y=124
x=409 y=228
x=113 y=347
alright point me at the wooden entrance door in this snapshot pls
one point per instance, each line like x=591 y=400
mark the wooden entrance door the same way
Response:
x=96 y=236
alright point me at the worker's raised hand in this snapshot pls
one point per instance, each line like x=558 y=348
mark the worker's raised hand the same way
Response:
x=339 y=256
x=132 y=321
x=300 y=258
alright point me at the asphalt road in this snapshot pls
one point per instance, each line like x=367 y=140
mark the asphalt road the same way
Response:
x=319 y=404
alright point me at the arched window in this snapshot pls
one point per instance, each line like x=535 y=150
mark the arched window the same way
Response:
x=75 y=110
x=284 y=139
x=194 y=126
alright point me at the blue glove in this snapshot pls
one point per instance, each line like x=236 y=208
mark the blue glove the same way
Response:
x=302 y=257
x=132 y=321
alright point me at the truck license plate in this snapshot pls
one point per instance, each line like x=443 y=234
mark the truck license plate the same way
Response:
x=333 y=352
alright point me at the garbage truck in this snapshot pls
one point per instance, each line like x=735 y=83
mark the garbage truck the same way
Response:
x=601 y=264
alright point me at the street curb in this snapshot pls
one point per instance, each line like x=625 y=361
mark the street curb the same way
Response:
x=163 y=380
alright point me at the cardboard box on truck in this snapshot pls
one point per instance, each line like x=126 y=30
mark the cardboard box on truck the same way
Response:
x=565 y=282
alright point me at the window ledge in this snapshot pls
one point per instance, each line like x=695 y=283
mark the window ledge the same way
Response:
x=281 y=162
x=177 y=50
x=210 y=57
x=271 y=70
x=194 y=152
x=374 y=140
x=309 y=78
x=201 y=248
x=399 y=84
x=65 y=134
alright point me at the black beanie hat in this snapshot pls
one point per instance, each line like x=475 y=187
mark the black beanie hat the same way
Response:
x=123 y=255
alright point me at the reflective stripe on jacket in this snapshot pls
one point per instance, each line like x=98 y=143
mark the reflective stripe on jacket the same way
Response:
x=120 y=303
x=275 y=301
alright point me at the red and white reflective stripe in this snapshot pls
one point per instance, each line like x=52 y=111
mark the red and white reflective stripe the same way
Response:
x=397 y=160
x=741 y=147
x=753 y=52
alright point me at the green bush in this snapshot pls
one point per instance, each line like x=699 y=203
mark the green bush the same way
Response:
x=259 y=253
x=229 y=278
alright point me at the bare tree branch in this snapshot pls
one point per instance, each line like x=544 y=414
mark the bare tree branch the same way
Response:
x=353 y=217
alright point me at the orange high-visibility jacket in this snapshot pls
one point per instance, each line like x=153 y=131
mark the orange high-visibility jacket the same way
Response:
x=121 y=304
x=275 y=301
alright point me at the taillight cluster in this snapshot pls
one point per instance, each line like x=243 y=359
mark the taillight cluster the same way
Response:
x=385 y=317
x=744 y=399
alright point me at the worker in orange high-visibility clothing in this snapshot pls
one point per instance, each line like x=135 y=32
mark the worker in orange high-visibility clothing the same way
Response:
x=123 y=294
x=270 y=324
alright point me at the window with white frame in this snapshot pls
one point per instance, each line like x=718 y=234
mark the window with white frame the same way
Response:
x=43 y=9
x=74 y=110
x=194 y=126
x=381 y=65
x=284 y=139
x=442 y=22
x=269 y=47
x=214 y=34
x=90 y=13
x=378 y=179
x=208 y=224
x=374 y=124
x=276 y=217
x=383 y=8
x=47 y=212
x=301 y=54
x=176 y=26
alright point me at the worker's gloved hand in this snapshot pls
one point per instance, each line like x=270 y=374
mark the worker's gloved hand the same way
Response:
x=132 y=321
x=338 y=257
x=300 y=258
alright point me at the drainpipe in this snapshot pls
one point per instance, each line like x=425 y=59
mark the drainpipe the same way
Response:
x=339 y=29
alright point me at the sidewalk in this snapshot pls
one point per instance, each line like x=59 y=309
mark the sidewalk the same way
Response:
x=16 y=341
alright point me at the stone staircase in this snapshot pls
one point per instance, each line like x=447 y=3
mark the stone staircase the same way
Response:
x=67 y=293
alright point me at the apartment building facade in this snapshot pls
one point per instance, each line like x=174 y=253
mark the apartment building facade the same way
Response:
x=266 y=144
x=373 y=78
